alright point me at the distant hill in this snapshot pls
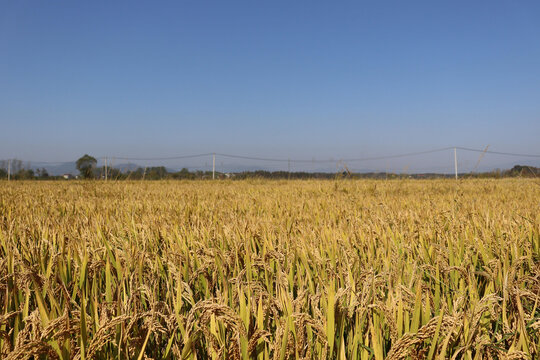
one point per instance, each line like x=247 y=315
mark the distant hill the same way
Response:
x=127 y=167
x=71 y=168
x=523 y=170
x=57 y=169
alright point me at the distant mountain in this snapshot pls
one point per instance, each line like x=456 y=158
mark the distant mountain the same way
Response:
x=57 y=169
x=524 y=170
x=127 y=167
x=71 y=167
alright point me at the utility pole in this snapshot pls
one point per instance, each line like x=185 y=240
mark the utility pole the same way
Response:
x=213 y=166
x=105 y=169
x=455 y=162
x=9 y=169
x=111 y=165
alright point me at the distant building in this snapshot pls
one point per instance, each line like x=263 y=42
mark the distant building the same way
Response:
x=68 y=176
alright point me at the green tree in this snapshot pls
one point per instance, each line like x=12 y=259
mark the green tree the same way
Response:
x=44 y=173
x=86 y=165
x=24 y=174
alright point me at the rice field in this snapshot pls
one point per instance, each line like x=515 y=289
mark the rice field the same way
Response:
x=253 y=269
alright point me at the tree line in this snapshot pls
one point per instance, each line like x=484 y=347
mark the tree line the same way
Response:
x=88 y=169
x=18 y=171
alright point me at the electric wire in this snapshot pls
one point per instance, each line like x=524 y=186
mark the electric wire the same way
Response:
x=305 y=161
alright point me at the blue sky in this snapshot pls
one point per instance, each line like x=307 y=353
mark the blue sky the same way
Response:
x=282 y=79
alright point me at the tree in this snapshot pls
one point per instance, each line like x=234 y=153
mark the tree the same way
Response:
x=24 y=174
x=86 y=165
x=16 y=166
x=156 y=173
x=43 y=173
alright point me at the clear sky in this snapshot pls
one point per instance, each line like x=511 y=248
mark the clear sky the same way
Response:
x=267 y=78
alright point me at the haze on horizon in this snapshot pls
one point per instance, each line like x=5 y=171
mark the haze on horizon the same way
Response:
x=304 y=79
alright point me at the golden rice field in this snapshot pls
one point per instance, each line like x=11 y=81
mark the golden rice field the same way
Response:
x=348 y=269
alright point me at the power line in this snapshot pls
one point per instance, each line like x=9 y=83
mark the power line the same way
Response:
x=260 y=158
x=333 y=160
x=497 y=152
x=307 y=161
x=39 y=162
x=399 y=155
x=163 y=158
